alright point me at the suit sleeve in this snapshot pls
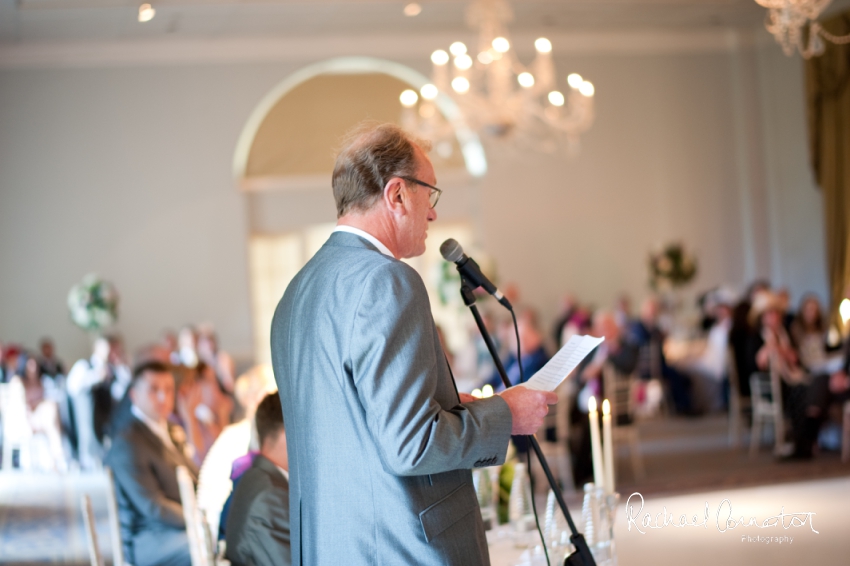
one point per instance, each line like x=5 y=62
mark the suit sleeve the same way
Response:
x=394 y=361
x=265 y=539
x=137 y=481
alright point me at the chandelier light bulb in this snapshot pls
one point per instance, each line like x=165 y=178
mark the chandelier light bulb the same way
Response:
x=575 y=80
x=460 y=85
x=485 y=58
x=501 y=45
x=408 y=98
x=428 y=91
x=543 y=45
x=412 y=9
x=526 y=80
x=844 y=310
x=463 y=62
x=587 y=89
x=439 y=57
x=556 y=98
x=457 y=48
x=146 y=13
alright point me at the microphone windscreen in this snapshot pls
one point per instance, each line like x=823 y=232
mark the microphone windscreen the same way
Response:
x=451 y=250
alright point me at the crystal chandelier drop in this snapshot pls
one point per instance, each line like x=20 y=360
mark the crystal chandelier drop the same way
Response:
x=786 y=20
x=499 y=97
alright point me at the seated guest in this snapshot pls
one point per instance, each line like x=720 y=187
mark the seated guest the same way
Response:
x=258 y=522
x=215 y=482
x=42 y=422
x=743 y=337
x=50 y=364
x=646 y=334
x=144 y=458
x=619 y=353
x=808 y=333
x=202 y=407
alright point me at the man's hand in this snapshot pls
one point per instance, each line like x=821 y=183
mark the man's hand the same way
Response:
x=528 y=407
x=466 y=397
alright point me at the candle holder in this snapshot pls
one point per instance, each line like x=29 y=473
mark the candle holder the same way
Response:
x=598 y=511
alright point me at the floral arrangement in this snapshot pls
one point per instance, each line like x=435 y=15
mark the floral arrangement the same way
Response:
x=93 y=304
x=672 y=267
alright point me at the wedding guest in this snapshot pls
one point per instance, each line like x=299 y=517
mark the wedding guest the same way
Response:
x=568 y=307
x=215 y=482
x=203 y=409
x=50 y=364
x=258 y=522
x=808 y=332
x=744 y=337
x=42 y=421
x=214 y=357
x=144 y=459
x=709 y=367
x=12 y=362
x=187 y=347
x=620 y=354
x=646 y=334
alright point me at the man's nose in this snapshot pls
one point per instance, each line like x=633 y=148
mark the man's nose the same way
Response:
x=432 y=214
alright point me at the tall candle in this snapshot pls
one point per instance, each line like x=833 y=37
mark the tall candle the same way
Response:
x=608 y=446
x=595 y=444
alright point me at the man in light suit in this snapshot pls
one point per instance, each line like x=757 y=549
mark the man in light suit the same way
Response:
x=144 y=459
x=380 y=443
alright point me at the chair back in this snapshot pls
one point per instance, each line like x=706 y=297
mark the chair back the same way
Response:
x=197 y=531
x=618 y=390
x=91 y=532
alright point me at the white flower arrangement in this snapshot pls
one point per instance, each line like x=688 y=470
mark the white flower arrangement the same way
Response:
x=93 y=304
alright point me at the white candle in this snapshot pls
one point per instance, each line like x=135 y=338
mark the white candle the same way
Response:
x=608 y=446
x=595 y=444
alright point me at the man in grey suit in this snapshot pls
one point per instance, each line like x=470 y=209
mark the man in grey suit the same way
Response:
x=258 y=521
x=380 y=443
x=144 y=459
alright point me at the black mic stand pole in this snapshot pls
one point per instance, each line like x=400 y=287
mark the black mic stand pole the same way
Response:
x=582 y=555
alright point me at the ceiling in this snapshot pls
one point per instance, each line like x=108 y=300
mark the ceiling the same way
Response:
x=33 y=21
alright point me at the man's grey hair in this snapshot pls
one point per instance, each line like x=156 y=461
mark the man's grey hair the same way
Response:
x=371 y=155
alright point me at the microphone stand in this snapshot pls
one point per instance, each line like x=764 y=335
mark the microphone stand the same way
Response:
x=582 y=555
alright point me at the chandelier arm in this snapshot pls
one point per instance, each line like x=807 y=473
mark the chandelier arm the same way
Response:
x=836 y=39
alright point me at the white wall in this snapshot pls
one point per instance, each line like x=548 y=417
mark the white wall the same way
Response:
x=126 y=171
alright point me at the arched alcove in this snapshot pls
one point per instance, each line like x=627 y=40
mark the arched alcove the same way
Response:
x=284 y=159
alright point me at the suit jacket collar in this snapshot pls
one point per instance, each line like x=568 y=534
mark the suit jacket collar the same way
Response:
x=178 y=456
x=349 y=240
x=268 y=467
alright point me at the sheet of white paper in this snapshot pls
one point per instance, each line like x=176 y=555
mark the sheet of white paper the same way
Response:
x=563 y=363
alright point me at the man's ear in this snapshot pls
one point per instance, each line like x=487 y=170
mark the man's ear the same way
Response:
x=395 y=196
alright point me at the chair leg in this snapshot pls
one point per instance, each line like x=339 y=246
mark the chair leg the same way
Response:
x=734 y=424
x=845 y=435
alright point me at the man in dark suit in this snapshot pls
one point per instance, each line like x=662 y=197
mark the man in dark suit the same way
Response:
x=144 y=459
x=258 y=522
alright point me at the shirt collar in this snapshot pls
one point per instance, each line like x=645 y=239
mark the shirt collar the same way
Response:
x=284 y=472
x=159 y=429
x=367 y=236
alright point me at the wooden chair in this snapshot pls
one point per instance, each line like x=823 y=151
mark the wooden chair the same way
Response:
x=845 y=434
x=738 y=405
x=618 y=391
x=200 y=541
x=766 y=399
x=557 y=452
x=114 y=524
x=95 y=558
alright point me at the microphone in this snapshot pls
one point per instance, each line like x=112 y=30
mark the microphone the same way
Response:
x=469 y=270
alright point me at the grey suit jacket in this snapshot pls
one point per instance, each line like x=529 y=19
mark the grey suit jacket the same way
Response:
x=146 y=482
x=380 y=448
x=258 y=522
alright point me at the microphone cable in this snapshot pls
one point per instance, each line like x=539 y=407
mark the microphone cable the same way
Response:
x=528 y=447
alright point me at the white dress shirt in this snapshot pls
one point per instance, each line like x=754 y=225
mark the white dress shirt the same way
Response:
x=159 y=429
x=367 y=236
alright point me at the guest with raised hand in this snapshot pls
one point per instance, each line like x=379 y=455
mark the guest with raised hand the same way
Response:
x=144 y=459
x=83 y=376
x=258 y=521
x=203 y=409
x=221 y=362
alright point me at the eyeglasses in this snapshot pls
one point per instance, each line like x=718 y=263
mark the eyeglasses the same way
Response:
x=434 y=196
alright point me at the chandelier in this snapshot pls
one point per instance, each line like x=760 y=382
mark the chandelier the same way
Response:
x=786 y=20
x=498 y=97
